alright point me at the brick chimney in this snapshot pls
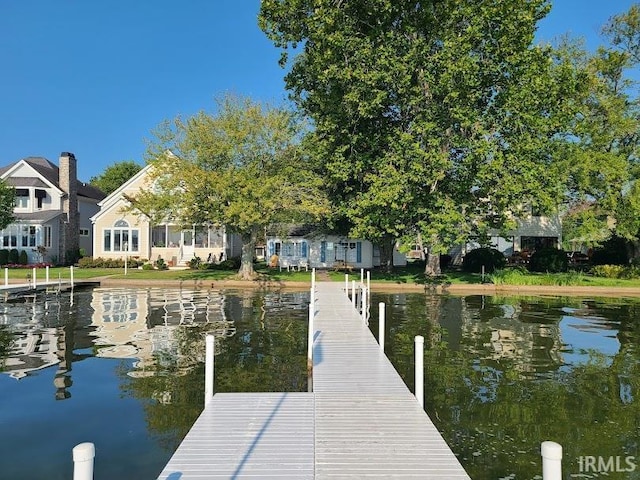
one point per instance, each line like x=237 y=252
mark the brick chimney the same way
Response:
x=68 y=182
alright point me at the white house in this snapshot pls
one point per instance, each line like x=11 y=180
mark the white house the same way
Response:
x=302 y=247
x=532 y=233
x=52 y=210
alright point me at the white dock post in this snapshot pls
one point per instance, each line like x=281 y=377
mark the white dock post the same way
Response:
x=33 y=275
x=71 y=270
x=46 y=274
x=208 y=368
x=83 y=455
x=362 y=275
x=313 y=279
x=312 y=307
x=353 y=293
x=6 y=277
x=419 y=373
x=551 y=460
x=346 y=283
x=381 y=327
x=363 y=304
x=369 y=283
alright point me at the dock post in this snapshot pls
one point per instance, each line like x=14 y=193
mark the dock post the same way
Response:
x=363 y=305
x=313 y=279
x=208 y=368
x=362 y=275
x=381 y=328
x=551 y=460
x=83 y=455
x=419 y=373
x=369 y=283
x=346 y=283
x=6 y=277
x=353 y=293
x=312 y=307
x=71 y=267
x=33 y=275
x=46 y=273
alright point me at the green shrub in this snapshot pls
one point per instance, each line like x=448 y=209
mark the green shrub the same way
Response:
x=4 y=256
x=549 y=260
x=230 y=264
x=147 y=266
x=14 y=256
x=608 y=271
x=194 y=263
x=23 y=258
x=160 y=264
x=490 y=258
x=612 y=252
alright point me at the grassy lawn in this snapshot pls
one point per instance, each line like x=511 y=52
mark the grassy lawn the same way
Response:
x=410 y=275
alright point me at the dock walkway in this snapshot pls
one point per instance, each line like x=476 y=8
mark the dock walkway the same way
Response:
x=360 y=421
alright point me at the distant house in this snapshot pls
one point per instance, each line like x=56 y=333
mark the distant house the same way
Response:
x=52 y=209
x=119 y=233
x=301 y=246
x=532 y=233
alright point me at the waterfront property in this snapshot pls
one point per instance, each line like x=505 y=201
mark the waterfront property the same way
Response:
x=301 y=246
x=360 y=420
x=52 y=209
x=119 y=232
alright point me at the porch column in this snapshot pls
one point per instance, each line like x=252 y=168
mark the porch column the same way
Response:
x=224 y=240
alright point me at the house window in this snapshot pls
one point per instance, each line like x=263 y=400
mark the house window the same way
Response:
x=121 y=238
x=349 y=252
x=84 y=232
x=28 y=237
x=40 y=196
x=293 y=249
x=10 y=237
x=22 y=198
x=47 y=236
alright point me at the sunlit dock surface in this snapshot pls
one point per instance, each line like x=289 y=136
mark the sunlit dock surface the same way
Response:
x=361 y=421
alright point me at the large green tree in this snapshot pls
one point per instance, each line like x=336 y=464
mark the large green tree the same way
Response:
x=243 y=167
x=7 y=203
x=435 y=118
x=115 y=175
x=605 y=169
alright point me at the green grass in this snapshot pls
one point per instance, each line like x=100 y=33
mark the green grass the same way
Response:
x=410 y=275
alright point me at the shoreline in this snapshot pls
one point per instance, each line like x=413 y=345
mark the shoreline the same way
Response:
x=452 y=289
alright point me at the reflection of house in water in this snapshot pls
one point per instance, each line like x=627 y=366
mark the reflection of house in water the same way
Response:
x=32 y=350
x=498 y=333
x=143 y=323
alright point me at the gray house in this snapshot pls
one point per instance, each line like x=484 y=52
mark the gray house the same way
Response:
x=52 y=209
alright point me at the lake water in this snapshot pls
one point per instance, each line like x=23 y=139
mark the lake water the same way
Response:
x=123 y=368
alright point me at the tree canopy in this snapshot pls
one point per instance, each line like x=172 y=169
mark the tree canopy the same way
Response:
x=433 y=118
x=115 y=175
x=243 y=167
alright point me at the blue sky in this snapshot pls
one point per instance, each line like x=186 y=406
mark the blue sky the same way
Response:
x=95 y=77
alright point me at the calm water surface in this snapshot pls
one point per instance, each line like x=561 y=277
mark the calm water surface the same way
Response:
x=123 y=368
x=505 y=374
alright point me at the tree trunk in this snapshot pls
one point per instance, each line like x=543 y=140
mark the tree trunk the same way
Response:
x=432 y=265
x=386 y=253
x=246 y=271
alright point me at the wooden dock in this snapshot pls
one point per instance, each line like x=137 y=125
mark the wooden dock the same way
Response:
x=360 y=421
x=17 y=291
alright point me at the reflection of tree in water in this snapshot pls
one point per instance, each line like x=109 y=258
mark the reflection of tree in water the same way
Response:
x=267 y=352
x=6 y=341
